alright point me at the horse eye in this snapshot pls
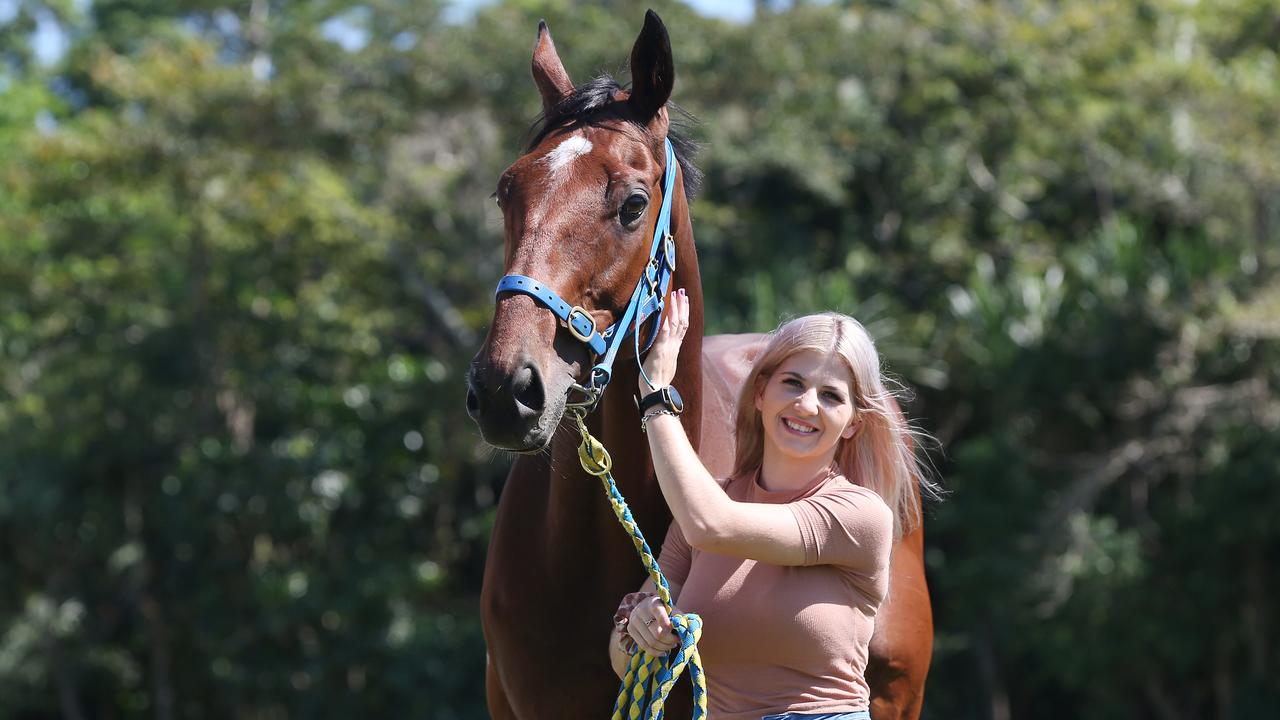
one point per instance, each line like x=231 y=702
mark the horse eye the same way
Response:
x=632 y=208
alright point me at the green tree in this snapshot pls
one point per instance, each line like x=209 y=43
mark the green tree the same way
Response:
x=246 y=254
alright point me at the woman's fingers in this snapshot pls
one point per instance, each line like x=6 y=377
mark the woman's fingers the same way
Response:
x=663 y=633
x=660 y=363
x=643 y=636
x=651 y=628
x=671 y=326
x=677 y=320
x=684 y=313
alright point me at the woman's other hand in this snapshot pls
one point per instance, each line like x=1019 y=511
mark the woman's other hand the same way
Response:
x=651 y=628
x=660 y=363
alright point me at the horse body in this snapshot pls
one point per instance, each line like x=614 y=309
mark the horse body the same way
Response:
x=558 y=562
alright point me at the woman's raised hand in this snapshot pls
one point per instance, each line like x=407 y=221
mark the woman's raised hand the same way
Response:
x=660 y=363
x=651 y=628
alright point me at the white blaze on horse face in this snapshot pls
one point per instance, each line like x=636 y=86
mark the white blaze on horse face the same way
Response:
x=564 y=154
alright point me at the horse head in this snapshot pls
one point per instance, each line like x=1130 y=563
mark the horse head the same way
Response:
x=580 y=209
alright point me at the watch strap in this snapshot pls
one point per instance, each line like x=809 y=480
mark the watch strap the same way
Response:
x=653 y=399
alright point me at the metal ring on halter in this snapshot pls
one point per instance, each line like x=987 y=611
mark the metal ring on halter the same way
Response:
x=669 y=248
x=591 y=397
x=573 y=329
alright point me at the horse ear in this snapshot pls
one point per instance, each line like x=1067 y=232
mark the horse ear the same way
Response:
x=548 y=72
x=653 y=72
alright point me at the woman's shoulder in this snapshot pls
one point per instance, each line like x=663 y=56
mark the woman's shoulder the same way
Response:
x=840 y=483
x=865 y=498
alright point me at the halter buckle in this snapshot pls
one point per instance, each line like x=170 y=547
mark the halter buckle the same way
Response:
x=651 y=276
x=669 y=249
x=573 y=329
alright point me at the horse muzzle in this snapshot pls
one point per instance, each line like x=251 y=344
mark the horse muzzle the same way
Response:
x=511 y=407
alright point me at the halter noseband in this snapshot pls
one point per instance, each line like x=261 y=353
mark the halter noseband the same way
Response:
x=646 y=300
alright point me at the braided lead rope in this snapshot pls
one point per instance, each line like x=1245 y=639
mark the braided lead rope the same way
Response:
x=648 y=679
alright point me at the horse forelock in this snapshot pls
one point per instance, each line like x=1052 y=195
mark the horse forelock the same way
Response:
x=603 y=99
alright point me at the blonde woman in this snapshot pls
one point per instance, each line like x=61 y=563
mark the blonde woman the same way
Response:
x=787 y=559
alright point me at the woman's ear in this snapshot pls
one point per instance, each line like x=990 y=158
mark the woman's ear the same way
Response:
x=852 y=428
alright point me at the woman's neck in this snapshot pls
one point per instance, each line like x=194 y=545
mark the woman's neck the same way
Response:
x=779 y=472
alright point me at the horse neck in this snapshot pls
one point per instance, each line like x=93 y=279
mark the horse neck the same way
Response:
x=578 y=511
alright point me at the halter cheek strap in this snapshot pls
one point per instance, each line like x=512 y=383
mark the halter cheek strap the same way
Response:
x=646 y=300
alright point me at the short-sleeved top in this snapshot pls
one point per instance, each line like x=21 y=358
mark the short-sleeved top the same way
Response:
x=781 y=639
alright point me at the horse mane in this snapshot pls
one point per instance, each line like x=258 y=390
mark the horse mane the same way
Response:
x=591 y=102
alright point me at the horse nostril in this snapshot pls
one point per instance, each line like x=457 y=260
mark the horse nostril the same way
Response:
x=526 y=388
x=473 y=396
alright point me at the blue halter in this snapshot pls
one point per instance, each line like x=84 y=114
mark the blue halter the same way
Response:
x=646 y=300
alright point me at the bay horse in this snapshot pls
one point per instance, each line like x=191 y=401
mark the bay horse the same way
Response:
x=578 y=210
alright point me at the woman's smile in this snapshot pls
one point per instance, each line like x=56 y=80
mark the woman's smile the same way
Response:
x=799 y=427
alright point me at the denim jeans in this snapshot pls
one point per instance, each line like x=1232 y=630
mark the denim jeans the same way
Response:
x=858 y=715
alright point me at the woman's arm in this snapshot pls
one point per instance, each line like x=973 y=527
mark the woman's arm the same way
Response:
x=851 y=527
x=617 y=656
x=710 y=519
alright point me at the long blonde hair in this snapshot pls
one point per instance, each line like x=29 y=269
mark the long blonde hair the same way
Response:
x=881 y=455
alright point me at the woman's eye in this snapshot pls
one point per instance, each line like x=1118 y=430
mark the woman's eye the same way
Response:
x=791 y=381
x=632 y=208
x=833 y=397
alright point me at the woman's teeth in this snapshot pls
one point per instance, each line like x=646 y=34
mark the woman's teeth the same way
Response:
x=799 y=428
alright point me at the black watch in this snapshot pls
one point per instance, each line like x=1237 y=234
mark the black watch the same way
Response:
x=666 y=397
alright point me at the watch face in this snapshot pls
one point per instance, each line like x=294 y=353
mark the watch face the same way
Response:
x=674 y=401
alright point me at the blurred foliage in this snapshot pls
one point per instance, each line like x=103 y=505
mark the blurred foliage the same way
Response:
x=246 y=252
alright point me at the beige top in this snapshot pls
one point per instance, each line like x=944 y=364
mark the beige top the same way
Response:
x=781 y=639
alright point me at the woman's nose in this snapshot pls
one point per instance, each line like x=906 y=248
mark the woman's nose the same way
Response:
x=808 y=400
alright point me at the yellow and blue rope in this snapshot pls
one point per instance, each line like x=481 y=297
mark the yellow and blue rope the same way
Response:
x=648 y=679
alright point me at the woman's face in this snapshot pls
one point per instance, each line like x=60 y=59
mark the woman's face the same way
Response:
x=806 y=406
